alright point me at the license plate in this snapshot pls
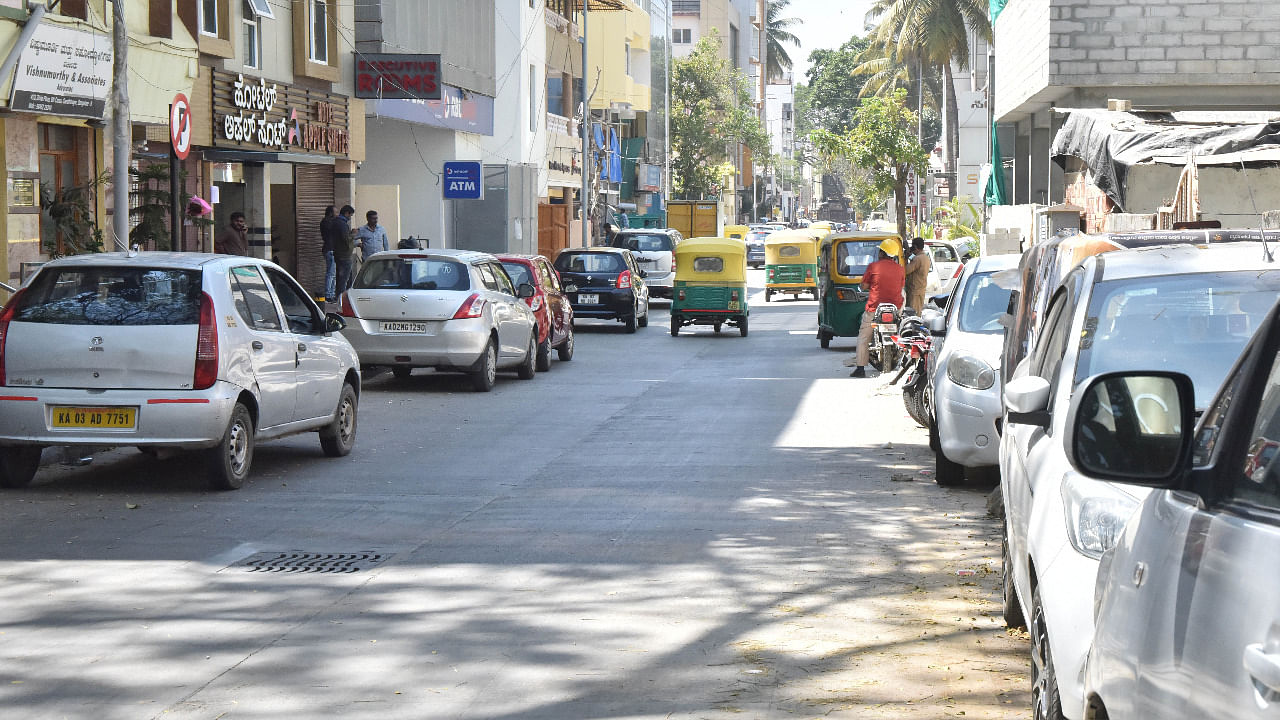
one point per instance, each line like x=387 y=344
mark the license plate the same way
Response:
x=733 y=304
x=571 y=288
x=403 y=327
x=589 y=298
x=889 y=328
x=95 y=417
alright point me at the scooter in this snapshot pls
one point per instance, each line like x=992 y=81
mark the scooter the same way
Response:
x=913 y=341
x=883 y=350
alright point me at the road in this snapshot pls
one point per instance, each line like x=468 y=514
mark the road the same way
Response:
x=688 y=527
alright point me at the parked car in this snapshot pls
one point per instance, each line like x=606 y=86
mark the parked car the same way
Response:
x=549 y=305
x=947 y=258
x=452 y=310
x=962 y=395
x=1188 y=309
x=755 y=246
x=654 y=253
x=605 y=283
x=1186 y=600
x=172 y=351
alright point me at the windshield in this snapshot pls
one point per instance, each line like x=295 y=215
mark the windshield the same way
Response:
x=590 y=262
x=654 y=242
x=1196 y=324
x=852 y=258
x=412 y=273
x=983 y=305
x=519 y=273
x=112 y=296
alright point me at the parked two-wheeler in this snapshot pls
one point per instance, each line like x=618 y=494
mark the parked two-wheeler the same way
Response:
x=913 y=340
x=883 y=350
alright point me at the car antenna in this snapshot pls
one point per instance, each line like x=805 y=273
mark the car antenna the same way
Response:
x=1262 y=230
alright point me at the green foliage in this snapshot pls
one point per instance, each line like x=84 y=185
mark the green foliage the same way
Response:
x=151 y=204
x=711 y=112
x=777 y=34
x=70 y=210
x=957 y=218
x=832 y=89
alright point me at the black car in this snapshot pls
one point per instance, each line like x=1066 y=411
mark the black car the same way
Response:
x=605 y=283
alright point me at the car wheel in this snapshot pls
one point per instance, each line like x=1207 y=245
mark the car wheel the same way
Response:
x=18 y=465
x=630 y=323
x=675 y=326
x=485 y=373
x=1012 y=608
x=543 y=363
x=1046 y=702
x=526 y=369
x=644 y=319
x=945 y=472
x=338 y=437
x=742 y=327
x=565 y=351
x=824 y=339
x=401 y=371
x=229 y=461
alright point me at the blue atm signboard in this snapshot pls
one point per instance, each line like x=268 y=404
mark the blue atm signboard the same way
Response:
x=463 y=181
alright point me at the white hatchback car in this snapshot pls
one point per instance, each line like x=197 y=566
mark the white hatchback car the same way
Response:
x=1187 y=309
x=444 y=309
x=654 y=251
x=963 y=395
x=184 y=351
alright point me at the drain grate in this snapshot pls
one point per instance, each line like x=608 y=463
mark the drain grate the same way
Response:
x=306 y=562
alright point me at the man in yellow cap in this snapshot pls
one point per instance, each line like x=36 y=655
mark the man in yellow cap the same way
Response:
x=883 y=282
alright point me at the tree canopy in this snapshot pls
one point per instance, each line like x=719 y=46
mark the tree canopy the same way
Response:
x=777 y=34
x=832 y=88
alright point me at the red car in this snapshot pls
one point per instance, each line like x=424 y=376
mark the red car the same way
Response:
x=549 y=305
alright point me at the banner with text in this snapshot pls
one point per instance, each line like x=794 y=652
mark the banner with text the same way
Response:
x=63 y=72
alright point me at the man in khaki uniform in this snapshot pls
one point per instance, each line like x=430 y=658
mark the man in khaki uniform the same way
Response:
x=918 y=267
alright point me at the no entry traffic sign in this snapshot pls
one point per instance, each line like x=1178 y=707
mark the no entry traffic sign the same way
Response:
x=180 y=126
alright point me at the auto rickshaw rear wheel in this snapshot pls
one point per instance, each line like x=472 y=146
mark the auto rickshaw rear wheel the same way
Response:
x=742 y=326
x=718 y=326
x=768 y=294
x=675 y=325
x=824 y=339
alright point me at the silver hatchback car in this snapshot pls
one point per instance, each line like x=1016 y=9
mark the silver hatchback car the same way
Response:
x=183 y=351
x=444 y=309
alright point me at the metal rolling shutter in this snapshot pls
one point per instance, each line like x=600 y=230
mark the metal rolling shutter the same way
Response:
x=313 y=190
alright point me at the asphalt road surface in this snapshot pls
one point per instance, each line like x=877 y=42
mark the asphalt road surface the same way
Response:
x=698 y=526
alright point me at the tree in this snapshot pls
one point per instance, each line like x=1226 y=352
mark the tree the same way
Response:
x=887 y=71
x=883 y=142
x=934 y=32
x=711 y=113
x=777 y=34
x=832 y=89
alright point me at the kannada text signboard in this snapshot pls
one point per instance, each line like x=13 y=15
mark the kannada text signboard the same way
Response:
x=63 y=72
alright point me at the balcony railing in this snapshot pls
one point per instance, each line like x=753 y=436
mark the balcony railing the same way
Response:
x=692 y=7
x=562 y=125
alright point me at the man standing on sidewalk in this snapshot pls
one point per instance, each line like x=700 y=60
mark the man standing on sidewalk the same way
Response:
x=882 y=281
x=234 y=239
x=918 y=267
x=371 y=237
x=326 y=245
x=343 y=246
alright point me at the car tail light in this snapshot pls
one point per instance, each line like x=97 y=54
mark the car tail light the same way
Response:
x=206 y=346
x=5 y=316
x=770 y=273
x=348 y=310
x=673 y=263
x=624 y=279
x=472 y=307
x=808 y=274
x=733 y=295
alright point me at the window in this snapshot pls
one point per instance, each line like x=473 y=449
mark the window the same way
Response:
x=112 y=296
x=209 y=17
x=260 y=8
x=549 y=282
x=60 y=170
x=590 y=262
x=1046 y=360
x=555 y=94
x=518 y=272
x=320 y=31
x=681 y=36
x=708 y=264
x=74 y=8
x=733 y=46
x=789 y=251
x=252 y=37
x=984 y=303
x=413 y=273
x=533 y=98
x=300 y=311
x=160 y=18
x=253 y=301
x=626 y=57
x=486 y=276
x=1258 y=482
x=503 y=280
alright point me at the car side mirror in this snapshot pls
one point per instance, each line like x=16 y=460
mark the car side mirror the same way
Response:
x=525 y=290
x=1132 y=427
x=333 y=322
x=1026 y=400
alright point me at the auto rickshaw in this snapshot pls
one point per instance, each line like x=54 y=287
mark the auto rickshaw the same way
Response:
x=791 y=262
x=736 y=232
x=842 y=259
x=821 y=225
x=710 y=285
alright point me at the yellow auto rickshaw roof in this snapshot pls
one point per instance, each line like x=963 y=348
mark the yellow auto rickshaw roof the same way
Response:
x=725 y=246
x=792 y=236
x=736 y=230
x=861 y=235
x=821 y=224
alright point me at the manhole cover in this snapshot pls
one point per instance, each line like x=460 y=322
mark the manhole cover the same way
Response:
x=307 y=562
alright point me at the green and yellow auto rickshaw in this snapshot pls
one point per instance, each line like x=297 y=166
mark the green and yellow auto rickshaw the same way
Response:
x=791 y=262
x=842 y=259
x=710 y=285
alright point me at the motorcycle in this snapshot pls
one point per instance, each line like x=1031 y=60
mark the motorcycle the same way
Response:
x=913 y=341
x=883 y=350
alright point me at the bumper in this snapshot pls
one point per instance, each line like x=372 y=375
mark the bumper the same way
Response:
x=447 y=343
x=177 y=419
x=613 y=304
x=755 y=257
x=966 y=421
x=660 y=284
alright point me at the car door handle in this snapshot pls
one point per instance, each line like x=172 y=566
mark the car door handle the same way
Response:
x=256 y=345
x=1262 y=666
x=302 y=347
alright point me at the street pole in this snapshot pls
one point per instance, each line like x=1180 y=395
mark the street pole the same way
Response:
x=121 y=137
x=175 y=197
x=585 y=129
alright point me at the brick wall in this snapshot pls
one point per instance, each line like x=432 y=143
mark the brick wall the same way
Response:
x=1083 y=193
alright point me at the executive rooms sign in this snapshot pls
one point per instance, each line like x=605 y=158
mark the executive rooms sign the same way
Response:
x=256 y=114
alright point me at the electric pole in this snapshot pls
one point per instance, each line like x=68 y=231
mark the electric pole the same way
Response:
x=121 y=136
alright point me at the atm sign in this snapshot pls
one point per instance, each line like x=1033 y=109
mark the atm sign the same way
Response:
x=463 y=181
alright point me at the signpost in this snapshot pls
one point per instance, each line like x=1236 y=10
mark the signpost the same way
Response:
x=463 y=181
x=179 y=148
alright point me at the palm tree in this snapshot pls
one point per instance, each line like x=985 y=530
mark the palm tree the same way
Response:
x=777 y=33
x=888 y=72
x=933 y=33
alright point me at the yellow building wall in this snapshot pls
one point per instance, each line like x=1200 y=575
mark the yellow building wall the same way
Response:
x=159 y=68
x=607 y=35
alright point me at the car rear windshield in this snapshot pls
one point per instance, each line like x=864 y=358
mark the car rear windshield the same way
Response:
x=1197 y=324
x=93 y=295
x=983 y=305
x=655 y=242
x=413 y=273
x=852 y=258
x=590 y=262
x=708 y=264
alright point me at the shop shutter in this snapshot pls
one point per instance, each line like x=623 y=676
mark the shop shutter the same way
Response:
x=313 y=190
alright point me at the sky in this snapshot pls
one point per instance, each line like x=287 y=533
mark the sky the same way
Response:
x=827 y=24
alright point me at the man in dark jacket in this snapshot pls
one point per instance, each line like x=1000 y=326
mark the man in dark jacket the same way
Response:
x=343 y=247
x=326 y=245
x=233 y=240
